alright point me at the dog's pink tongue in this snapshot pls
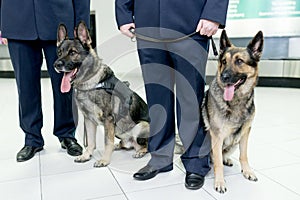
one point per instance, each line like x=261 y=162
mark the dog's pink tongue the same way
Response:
x=65 y=83
x=228 y=93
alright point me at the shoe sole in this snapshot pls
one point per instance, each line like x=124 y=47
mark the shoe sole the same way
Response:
x=71 y=154
x=195 y=187
x=34 y=152
x=152 y=176
x=142 y=178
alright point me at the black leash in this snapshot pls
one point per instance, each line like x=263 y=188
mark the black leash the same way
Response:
x=150 y=39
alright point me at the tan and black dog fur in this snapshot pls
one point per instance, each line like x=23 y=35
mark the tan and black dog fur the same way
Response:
x=84 y=70
x=228 y=107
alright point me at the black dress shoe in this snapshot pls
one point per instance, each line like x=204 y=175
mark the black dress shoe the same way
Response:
x=27 y=152
x=193 y=181
x=73 y=148
x=149 y=172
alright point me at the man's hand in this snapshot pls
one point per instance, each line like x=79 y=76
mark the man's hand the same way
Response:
x=207 y=27
x=3 y=41
x=125 y=29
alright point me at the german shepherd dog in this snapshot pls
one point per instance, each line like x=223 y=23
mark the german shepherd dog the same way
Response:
x=101 y=97
x=228 y=107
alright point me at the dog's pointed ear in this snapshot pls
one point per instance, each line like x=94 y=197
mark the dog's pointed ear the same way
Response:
x=256 y=45
x=62 y=34
x=82 y=34
x=224 y=42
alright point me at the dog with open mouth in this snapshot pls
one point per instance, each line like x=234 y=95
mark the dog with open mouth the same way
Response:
x=102 y=98
x=228 y=107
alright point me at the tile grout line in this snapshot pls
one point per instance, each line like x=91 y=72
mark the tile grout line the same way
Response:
x=278 y=183
x=118 y=183
x=103 y=197
x=40 y=175
x=175 y=184
x=154 y=188
x=286 y=151
x=274 y=167
x=209 y=193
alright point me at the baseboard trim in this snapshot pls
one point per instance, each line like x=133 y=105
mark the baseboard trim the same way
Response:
x=10 y=74
x=285 y=82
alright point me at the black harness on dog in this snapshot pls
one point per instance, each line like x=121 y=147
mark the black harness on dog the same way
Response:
x=119 y=88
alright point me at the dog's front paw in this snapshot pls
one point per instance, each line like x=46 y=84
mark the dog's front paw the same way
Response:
x=228 y=162
x=140 y=153
x=117 y=147
x=249 y=174
x=220 y=186
x=83 y=158
x=101 y=163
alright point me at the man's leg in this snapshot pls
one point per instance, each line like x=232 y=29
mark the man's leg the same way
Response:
x=189 y=59
x=64 y=125
x=159 y=83
x=26 y=57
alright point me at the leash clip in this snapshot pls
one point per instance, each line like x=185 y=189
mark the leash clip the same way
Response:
x=214 y=46
x=132 y=30
x=133 y=39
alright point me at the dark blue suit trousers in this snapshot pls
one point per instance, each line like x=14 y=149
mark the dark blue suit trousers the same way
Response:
x=31 y=34
x=174 y=76
x=27 y=58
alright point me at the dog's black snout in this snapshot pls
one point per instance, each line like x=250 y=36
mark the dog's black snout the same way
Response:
x=225 y=76
x=59 y=64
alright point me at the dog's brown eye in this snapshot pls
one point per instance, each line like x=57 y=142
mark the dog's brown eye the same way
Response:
x=239 y=61
x=224 y=62
x=72 y=53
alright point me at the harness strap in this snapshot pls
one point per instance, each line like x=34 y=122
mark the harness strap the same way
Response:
x=107 y=84
x=121 y=89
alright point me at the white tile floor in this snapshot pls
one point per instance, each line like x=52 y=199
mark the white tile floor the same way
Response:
x=274 y=153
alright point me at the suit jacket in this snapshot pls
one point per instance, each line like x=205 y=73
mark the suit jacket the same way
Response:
x=32 y=19
x=179 y=15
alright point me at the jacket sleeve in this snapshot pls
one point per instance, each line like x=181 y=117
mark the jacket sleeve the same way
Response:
x=216 y=10
x=82 y=11
x=124 y=11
